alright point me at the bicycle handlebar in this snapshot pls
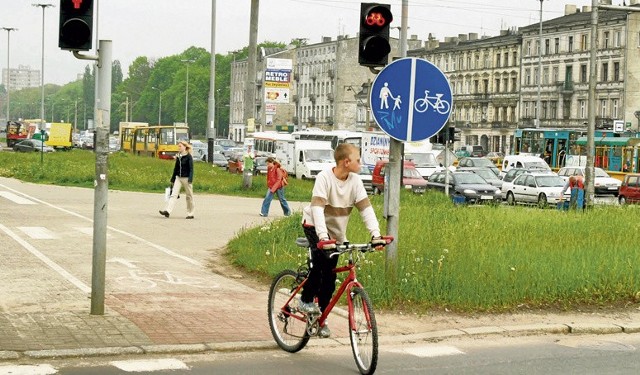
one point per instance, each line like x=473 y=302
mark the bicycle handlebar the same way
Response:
x=362 y=247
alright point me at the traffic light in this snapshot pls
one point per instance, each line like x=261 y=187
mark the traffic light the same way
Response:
x=76 y=25
x=374 y=45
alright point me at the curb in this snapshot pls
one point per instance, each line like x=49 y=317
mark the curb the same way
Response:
x=522 y=330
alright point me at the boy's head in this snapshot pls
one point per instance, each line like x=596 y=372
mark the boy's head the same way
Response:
x=348 y=156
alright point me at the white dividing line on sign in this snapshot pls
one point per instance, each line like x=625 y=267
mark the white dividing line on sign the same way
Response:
x=15 y=198
x=38 y=233
x=150 y=365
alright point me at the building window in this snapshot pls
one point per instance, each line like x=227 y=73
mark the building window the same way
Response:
x=566 y=109
x=614 y=108
x=583 y=73
x=506 y=59
x=497 y=84
x=469 y=62
x=515 y=58
x=497 y=60
x=583 y=108
x=603 y=108
x=583 y=42
x=556 y=46
x=505 y=85
x=477 y=63
x=545 y=76
x=536 y=76
x=605 y=72
x=616 y=39
x=544 y=109
x=526 y=109
x=528 y=46
x=514 y=84
x=605 y=40
x=527 y=77
x=570 y=44
x=556 y=74
x=554 y=110
x=547 y=47
x=616 y=71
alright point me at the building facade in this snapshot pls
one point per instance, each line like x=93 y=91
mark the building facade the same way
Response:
x=21 y=77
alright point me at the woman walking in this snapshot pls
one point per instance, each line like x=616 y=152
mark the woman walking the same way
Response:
x=182 y=178
x=276 y=181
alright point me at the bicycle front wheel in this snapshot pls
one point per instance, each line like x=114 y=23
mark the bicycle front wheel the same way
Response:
x=288 y=326
x=363 y=331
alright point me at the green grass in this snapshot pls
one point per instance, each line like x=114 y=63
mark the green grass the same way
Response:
x=464 y=259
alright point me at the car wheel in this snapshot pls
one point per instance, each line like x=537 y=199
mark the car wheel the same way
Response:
x=622 y=200
x=542 y=201
x=511 y=200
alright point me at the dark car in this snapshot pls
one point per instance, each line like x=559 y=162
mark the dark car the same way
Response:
x=465 y=185
x=31 y=145
x=220 y=161
x=485 y=173
x=260 y=165
x=479 y=162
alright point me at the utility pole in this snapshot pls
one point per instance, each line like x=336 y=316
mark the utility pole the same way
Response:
x=250 y=88
x=591 y=113
x=42 y=120
x=8 y=30
x=539 y=102
x=211 y=110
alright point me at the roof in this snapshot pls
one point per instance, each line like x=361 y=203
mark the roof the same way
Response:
x=610 y=141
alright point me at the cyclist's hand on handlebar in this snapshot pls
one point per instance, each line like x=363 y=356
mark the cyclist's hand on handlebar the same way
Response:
x=380 y=242
x=327 y=244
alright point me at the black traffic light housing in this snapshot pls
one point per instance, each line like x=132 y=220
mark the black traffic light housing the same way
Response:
x=374 y=47
x=76 y=25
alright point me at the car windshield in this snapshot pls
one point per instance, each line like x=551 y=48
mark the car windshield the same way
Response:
x=599 y=172
x=421 y=159
x=550 y=181
x=226 y=142
x=36 y=143
x=411 y=173
x=260 y=162
x=486 y=174
x=482 y=162
x=364 y=170
x=536 y=165
x=320 y=155
x=469 y=178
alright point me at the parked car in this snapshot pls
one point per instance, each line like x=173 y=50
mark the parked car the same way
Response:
x=32 y=145
x=366 y=176
x=536 y=188
x=603 y=184
x=220 y=161
x=479 y=162
x=515 y=172
x=630 y=189
x=235 y=163
x=260 y=166
x=411 y=178
x=465 y=185
x=523 y=161
x=495 y=157
x=485 y=173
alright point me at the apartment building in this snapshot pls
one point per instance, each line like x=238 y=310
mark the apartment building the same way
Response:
x=22 y=77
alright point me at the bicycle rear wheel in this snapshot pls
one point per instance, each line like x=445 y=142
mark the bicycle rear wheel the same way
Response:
x=363 y=331
x=288 y=326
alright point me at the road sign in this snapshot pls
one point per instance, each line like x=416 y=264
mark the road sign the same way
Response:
x=411 y=99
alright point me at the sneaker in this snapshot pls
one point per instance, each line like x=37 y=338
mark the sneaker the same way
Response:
x=190 y=217
x=164 y=213
x=308 y=308
x=263 y=215
x=325 y=332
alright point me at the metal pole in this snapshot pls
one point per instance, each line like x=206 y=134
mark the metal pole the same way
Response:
x=250 y=96
x=100 y=201
x=211 y=103
x=8 y=30
x=42 y=120
x=591 y=126
x=539 y=102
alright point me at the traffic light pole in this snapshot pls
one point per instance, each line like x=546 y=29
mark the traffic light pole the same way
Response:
x=100 y=196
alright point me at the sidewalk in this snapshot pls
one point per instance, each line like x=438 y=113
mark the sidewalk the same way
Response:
x=161 y=293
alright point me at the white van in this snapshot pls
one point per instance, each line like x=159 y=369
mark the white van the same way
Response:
x=523 y=161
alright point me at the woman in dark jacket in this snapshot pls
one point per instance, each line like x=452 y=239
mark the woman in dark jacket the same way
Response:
x=182 y=178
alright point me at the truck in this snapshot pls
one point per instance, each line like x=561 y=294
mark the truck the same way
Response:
x=375 y=146
x=16 y=131
x=303 y=158
x=60 y=136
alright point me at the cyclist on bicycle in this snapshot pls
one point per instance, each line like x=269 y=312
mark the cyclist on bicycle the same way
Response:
x=325 y=220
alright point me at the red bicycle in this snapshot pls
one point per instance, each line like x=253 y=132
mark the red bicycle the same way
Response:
x=292 y=328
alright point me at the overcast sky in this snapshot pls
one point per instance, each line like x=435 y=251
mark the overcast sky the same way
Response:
x=158 y=28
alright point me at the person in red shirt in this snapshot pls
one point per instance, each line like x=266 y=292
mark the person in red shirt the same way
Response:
x=276 y=181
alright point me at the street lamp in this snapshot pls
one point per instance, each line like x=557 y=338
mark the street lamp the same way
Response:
x=43 y=6
x=8 y=30
x=126 y=107
x=539 y=102
x=160 y=103
x=186 y=93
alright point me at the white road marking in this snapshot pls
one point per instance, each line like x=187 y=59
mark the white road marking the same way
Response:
x=53 y=265
x=130 y=235
x=122 y=261
x=15 y=198
x=430 y=351
x=28 y=370
x=150 y=365
x=38 y=233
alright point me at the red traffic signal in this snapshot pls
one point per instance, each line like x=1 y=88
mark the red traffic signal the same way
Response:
x=76 y=25
x=374 y=46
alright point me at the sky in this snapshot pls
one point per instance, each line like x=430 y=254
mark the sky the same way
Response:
x=159 y=28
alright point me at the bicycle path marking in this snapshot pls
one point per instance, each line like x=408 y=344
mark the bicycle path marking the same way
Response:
x=411 y=99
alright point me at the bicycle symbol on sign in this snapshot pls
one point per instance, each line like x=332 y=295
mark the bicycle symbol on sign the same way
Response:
x=438 y=104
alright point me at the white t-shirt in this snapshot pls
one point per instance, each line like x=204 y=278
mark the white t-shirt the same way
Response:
x=339 y=197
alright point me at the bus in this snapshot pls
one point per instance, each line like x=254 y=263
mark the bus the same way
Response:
x=159 y=141
x=125 y=132
x=336 y=137
x=550 y=144
x=265 y=143
x=613 y=154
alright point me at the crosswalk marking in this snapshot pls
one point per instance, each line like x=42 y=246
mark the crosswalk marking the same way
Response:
x=38 y=233
x=27 y=370
x=430 y=351
x=15 y=198
x=150 y=365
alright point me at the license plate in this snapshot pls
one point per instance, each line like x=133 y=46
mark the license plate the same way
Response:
x=613 y=188
x=486 y=197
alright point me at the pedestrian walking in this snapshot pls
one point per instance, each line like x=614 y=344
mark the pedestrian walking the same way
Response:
x=182 y=178
x=276 y=181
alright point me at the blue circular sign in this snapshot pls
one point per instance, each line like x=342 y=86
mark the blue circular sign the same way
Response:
x=411 y=99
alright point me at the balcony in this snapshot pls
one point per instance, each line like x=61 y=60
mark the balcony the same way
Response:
x=312 y=97
x=565 y=87
x=313 y=76
x=329 y=120
x=330 y=96
x=331 y=73
x=312 y=120
x=294 y=97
